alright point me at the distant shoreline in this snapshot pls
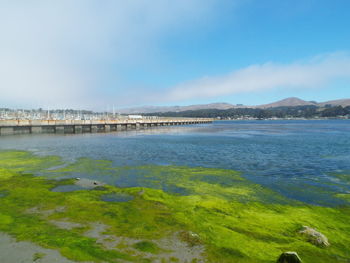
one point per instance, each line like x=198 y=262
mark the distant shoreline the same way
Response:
x=284 y=119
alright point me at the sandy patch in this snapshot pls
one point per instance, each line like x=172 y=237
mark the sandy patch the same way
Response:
x=65 y=224
x=176 y=248
x=12 y=251
x=47 y=212
x=172 y=246
x=98 y=231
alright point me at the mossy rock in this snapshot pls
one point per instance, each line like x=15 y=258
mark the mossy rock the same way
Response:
x=289 y=257
x=314 y=237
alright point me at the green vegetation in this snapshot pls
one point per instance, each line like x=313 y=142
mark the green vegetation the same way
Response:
x=37 y=256
x=343 y=177
x=147 y=246
x=308 y=111
x=216 y=210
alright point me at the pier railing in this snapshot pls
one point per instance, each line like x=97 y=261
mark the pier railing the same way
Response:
x=8 y=127
x=89 y=122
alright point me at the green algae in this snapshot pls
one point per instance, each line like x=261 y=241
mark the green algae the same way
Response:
x=147 y=246
x=20 y=161
x=234 y=220
x=37 y=256
x=343 y=177
x=116 y=197
x=344 y=183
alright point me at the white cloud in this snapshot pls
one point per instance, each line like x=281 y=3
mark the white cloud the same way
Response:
x=60 y=53
x=65 y=54
x=311 y=73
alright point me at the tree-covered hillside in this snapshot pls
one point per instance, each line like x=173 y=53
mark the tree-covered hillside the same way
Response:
x=308 y=111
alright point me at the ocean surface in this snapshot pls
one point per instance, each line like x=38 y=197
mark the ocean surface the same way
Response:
x=298 y=158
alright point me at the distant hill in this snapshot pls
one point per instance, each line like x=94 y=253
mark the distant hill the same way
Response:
x=288 y=102
x=343 y=102
x=151 y=109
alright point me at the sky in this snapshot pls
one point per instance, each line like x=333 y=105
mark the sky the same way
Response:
x=90 y=54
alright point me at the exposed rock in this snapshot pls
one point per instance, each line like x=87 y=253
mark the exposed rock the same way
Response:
x=289 y=257
x=192 y=239
x=314 y=237
x=88 y=183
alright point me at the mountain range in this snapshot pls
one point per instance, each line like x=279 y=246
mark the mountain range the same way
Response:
x=288 y=102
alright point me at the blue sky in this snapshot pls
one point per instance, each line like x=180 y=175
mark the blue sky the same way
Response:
x=95 y=54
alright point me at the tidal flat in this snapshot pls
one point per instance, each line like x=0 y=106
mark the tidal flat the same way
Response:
x=160 y=214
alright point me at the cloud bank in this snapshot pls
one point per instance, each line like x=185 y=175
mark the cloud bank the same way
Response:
x=312 y=73
x=63 y=53
x=73 y=54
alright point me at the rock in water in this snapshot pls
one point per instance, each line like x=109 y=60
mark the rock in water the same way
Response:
x=289 y=257
x=314 y=237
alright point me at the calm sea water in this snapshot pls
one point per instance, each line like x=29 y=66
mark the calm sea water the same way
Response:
x=295 y=158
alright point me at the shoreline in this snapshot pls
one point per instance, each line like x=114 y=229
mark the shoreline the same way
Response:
x=285 y=119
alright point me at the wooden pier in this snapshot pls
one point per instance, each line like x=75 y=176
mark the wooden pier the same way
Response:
x=11 y=127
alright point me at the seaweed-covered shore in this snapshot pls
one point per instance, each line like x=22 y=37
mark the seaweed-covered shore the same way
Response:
x=159 y=213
